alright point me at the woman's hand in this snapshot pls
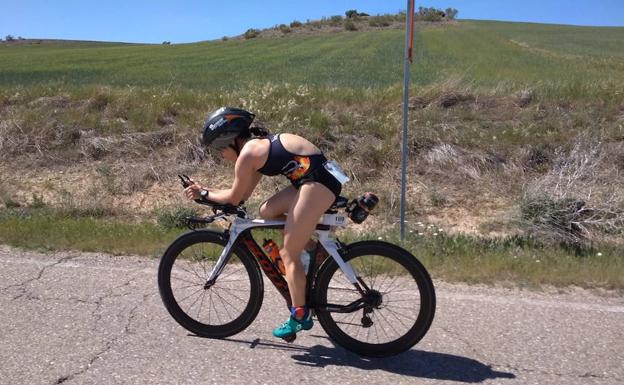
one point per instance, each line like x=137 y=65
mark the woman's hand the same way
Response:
x=192 y=192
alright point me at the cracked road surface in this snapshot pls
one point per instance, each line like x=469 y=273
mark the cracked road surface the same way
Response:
x=84 y=318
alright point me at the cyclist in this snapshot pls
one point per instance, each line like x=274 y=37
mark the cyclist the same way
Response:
x=315 y=185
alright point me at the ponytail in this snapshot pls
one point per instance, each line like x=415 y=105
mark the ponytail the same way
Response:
x=258 y=130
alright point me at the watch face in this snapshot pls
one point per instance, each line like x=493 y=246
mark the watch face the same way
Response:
x=203 y=193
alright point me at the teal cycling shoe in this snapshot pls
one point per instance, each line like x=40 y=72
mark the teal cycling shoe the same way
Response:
x=292 y=326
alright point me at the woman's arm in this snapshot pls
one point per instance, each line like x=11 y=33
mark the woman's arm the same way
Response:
x=246 y=178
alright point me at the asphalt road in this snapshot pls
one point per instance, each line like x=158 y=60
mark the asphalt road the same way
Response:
x=83 y=318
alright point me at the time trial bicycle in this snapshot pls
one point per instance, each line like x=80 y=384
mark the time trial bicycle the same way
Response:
x=371 y=297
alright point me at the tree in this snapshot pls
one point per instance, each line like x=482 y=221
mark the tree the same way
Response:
x=9 y=38
x=351 y=14
x=166 y=42
x=451 y=13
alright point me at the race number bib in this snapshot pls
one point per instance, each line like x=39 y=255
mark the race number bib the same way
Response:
x=333 y=168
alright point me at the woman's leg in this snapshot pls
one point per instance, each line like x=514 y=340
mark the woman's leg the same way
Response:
x=311 y=201
x=276 y=206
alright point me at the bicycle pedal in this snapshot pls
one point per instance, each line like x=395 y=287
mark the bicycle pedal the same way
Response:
x=290 y=339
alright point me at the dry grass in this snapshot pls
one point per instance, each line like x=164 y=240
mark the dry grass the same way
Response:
x=580 y=198
x=472 y=151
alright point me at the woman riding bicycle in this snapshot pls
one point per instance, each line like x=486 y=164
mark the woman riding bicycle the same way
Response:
x=315 y=186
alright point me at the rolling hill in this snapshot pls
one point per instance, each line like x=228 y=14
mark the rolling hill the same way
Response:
x=566 y=59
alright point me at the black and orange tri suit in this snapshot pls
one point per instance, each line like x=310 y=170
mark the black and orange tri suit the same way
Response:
x=298 y=168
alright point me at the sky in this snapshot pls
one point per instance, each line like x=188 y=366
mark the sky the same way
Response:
x=185 y=21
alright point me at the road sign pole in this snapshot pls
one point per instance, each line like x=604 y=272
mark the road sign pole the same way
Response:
x=409 y=39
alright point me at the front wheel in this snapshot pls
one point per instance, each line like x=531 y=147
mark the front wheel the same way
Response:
x=219 y=310
x=400 y=300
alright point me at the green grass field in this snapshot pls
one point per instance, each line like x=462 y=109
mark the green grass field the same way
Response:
x=124 y=120
x=449 y=257
x=562 y=60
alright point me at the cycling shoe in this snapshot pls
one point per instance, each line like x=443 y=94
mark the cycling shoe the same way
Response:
x=292 y=326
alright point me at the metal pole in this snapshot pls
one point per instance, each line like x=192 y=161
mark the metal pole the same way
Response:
x=406 y=76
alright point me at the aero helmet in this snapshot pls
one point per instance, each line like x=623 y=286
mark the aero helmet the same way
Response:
x=224 y=125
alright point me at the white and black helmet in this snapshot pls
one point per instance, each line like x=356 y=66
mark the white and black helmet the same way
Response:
x=226 y=124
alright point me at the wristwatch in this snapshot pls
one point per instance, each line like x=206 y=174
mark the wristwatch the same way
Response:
x=203 y=193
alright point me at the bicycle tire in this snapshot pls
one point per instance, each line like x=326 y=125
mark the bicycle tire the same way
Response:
x=210 y=242
x=386 y=259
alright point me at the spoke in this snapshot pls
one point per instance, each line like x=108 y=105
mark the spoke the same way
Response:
x=400 y=307
x=395 y=314
x=193 y=267
x=186 y=287
x=231 y=280
x=201 y=304
x=402 y=300
x=385 y=319
x=209 y=312
x=185 y=298
x=234 y=289
x=352 y=290
x=191 y=273
x=202 y=263
x=381 y=326
x=224 y=302
x=187 y=281
x=395 y=282
x=344 y=278
x=351 y=320
x=214 y=307
x=194 y=302
x=373 y=277
x=230 y=273
x=381 y=281
x=235 y=296
x=357 y=333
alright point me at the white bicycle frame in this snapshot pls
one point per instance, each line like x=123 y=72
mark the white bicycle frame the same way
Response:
x=325 y=239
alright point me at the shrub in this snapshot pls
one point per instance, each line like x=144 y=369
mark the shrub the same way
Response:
x=37 y=202
x=284 y=28
x=295 y=24
x=574 y=201
x=175 y=217
x=350 y=26
x=429 y=14
x=316 y=24
x=380 y=21
x=438 y=199
x=335 y=20
x=251 y=33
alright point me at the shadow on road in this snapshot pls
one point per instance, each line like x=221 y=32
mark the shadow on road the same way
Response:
x=414 y=363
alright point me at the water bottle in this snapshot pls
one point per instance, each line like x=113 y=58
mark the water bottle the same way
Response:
x=359 y=208
x=305 y=260
x=272 y=251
